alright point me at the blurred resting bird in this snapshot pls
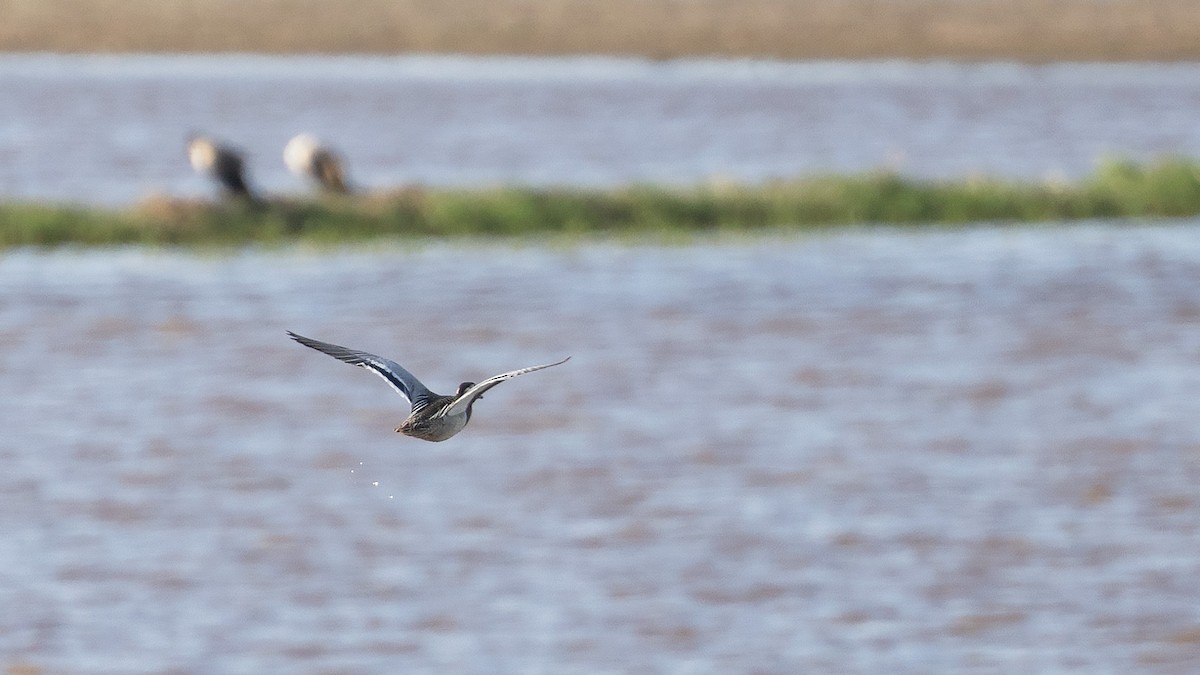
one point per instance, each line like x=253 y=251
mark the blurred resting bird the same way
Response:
x=433 y=417
x=222 y=163
x=307 y=157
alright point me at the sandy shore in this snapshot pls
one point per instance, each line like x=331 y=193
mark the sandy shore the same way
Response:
x=1028 y=30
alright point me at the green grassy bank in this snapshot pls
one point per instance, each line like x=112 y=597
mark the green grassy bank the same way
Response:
x=1167 y=188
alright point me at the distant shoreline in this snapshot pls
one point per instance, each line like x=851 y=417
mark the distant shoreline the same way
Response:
x=972 y=30
x=1169 y=188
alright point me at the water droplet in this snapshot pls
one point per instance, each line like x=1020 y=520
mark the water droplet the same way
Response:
x=376 y=483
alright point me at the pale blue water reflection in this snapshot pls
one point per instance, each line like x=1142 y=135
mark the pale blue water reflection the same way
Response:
x=110 y=129
x=875 y=451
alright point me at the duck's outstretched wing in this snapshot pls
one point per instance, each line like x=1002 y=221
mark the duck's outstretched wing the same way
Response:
x=465 y=399
x=400 y=379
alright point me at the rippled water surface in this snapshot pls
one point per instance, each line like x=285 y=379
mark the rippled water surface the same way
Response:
x=111 y=129
x=873 y=451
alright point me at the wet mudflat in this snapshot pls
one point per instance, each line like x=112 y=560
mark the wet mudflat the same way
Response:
x=869 y=451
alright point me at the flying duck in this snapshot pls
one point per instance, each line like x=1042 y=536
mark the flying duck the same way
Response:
x=306 y=157
x=224 y=164
x=433 y=417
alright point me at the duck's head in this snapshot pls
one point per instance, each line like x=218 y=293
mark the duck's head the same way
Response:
x=202 y=153
x=462 y=389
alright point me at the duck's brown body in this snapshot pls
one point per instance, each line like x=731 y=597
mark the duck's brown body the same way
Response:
x=433 y=426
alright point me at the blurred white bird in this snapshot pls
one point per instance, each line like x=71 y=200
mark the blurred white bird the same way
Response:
x=222 y=163
x=306 y=157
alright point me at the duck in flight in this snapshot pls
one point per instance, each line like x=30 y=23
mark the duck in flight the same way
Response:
x=433 y=417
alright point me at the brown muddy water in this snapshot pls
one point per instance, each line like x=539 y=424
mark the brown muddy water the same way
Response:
x=870 y=451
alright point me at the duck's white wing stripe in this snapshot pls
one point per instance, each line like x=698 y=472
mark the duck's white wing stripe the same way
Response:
x=463 y=402
x=400 y=379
